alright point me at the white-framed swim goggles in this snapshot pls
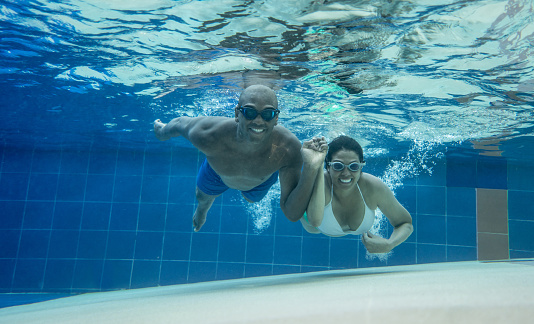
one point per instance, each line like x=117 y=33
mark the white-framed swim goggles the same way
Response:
x=339 y=166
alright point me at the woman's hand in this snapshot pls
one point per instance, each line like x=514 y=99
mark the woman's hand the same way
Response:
x=376 y=244
x=314 y=151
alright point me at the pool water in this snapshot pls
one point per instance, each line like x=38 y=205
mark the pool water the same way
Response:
x=439 y=94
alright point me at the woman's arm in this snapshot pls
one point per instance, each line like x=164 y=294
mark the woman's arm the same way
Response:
x=397 y=215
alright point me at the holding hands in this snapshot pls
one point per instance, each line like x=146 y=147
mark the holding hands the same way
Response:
x=314 y=151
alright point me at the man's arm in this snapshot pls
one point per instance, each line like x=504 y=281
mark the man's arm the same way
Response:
x=296 y=187
x=200 y=131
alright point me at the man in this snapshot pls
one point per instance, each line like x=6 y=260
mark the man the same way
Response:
x=247 y=153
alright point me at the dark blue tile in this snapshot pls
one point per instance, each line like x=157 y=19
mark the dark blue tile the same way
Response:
x=461 y=231
x=58 y=275
x=260 y=249
x=232 y=247
x=155 y=189
x=258 y=270
x=13 y=186
x=68 y=215
x=87 y=274
x=130 y=162
x=182 y=190
x=46 y=161
x=204 y=247
x=492 y=173
x=29 y=275
x=461 y=253
x=431 y=200
x=403 y=254
x=315 y=251
x=75 y=161
x=157 y=163
x=184 y=162
x=287 y=250
x=63 y=244
x=179 y=218
x=285 y=269
x=406 y=195
x=431 y=253
x=38 y=215
x=284 y=226
x=521 y=254
x=234 y=220
x=461 y=171
x=127 y=188
x=121 y=245
x=431 y=229
x=116 y=274
x=12 y=214
x=102 y=162
x=148 y=245
x=71 y=187
x=92 y=245
x=9 y=241
x=520 y=175
x=96 y=216
x=124 y=216
x=99 y=187
x=7 y=268
x=227 y=271
x=343 y=253
x=152 y=217
x=461 y=202
x=520 y=235
x=16 y=160
x=177 y=246
x=520 y=205
x=34 y=243
x=202 y=271
x=42 y=186
x=437 y=176
x=173 y=272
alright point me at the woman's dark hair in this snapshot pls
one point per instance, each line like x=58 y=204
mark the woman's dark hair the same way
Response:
x=343 y=142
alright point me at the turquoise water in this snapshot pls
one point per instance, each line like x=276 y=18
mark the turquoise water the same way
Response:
x=439 y=93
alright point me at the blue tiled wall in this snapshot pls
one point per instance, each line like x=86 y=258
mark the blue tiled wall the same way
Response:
x=85 y=219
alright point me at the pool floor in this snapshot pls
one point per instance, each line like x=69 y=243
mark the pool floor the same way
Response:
x=454 y=292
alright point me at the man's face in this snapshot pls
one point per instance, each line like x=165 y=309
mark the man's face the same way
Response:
x=262 y=101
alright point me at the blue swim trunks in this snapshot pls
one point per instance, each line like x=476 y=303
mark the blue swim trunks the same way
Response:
x=210 y=183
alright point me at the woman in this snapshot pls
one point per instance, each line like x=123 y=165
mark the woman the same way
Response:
x=344 y=198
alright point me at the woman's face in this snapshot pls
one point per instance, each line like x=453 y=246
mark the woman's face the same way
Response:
x=344 y=179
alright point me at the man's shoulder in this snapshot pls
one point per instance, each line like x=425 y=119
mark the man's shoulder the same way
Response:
x=286 y=137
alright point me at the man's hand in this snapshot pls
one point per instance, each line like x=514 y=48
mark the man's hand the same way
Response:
x=375 y=244
x=158 y=130
x=314 y=151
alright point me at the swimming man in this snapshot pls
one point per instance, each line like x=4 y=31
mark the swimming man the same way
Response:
x=248 y=153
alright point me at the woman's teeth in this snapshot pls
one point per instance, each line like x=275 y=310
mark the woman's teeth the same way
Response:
x=345 y=180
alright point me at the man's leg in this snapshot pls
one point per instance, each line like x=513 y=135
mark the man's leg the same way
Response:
x=204 y=204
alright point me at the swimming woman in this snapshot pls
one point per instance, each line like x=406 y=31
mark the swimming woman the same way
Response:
x=344 y=198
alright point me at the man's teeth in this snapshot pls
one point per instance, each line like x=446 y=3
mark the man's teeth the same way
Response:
x=257 y=130
x=345 y=180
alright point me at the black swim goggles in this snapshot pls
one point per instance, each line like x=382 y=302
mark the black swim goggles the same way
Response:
x=251 y=113
x=339 y=166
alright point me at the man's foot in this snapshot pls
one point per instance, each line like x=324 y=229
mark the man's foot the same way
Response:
x=198 y=220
